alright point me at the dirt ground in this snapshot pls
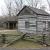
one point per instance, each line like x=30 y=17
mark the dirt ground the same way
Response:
x=8 y=31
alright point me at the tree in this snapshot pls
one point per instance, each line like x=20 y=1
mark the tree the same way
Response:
x=43 y=7
x=13 y=6
x=35 y=3
x=8 y=4
x=18 y=6
x=48 y=3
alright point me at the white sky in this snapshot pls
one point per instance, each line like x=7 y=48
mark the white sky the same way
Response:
x=3 y=8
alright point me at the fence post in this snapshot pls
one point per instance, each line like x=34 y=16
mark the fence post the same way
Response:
x=44 y=38
x=3 y=38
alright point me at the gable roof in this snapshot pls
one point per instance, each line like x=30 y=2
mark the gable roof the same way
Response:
x=35 y=10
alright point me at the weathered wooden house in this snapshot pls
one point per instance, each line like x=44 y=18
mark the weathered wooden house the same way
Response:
x=33 y=20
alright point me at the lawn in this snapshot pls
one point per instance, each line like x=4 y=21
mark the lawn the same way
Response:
x=25 y=44
x=13 y=34
x=20 y=43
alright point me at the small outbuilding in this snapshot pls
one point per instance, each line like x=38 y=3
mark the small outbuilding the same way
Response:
x=33 y=20
x=10 y=22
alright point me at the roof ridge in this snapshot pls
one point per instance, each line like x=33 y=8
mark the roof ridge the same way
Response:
x=35 y=10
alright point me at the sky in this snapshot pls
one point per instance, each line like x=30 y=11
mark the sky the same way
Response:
x=3 y=8
x=1 y=4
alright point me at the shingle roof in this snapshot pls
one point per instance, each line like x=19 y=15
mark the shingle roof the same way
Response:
x=36 y=10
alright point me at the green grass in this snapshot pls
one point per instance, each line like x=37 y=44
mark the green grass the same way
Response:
x=20 y=43
x=28 y=43
x=11 y=32
x=25 y=44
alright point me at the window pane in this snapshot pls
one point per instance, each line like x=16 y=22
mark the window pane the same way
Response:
x=26 y=24
x=32 y=25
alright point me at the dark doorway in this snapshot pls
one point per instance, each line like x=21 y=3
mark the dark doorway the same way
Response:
x=11 y=24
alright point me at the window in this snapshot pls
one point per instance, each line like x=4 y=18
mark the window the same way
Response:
x=26 y=24
x=32 y=25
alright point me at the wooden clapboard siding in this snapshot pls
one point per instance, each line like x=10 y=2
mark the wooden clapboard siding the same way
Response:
x=40 y=26
x=21 y=24
x=43 y=18
x=32 y=22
